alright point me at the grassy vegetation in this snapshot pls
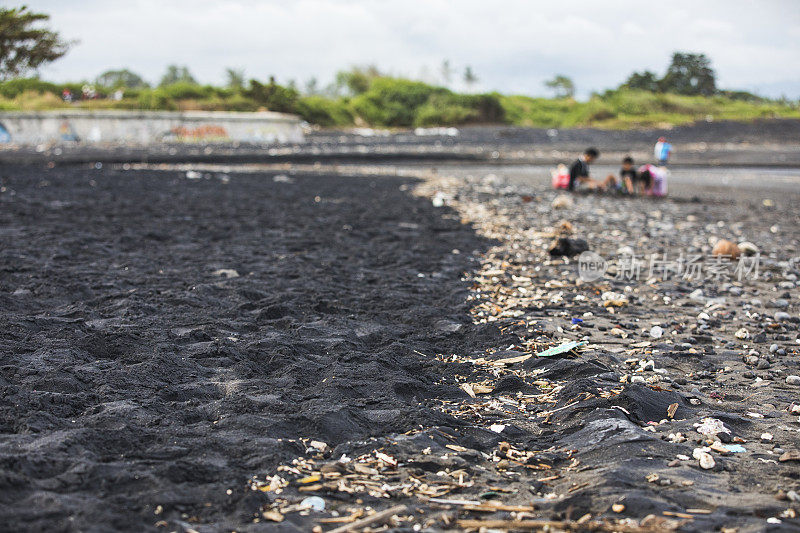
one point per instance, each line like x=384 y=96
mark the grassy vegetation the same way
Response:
x=391 y=102
x=626 y=108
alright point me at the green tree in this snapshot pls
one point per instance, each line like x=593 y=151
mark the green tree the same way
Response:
x=689 y=74
x=177 y=74
x=114 y=79
x=643 y=81
x=24 y=45
x=235 y=78
x=272 y=96
x=357 y=80
x=562 y=86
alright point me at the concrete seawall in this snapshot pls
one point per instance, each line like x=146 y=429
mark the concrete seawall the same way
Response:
x=146 y=127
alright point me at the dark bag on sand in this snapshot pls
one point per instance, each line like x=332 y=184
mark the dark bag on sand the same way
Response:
x=568 y=247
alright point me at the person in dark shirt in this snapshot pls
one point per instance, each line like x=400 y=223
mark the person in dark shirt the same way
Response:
x=579 y=177
x=627 y=175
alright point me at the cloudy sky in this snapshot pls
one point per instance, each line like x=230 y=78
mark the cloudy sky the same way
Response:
x=512 y=45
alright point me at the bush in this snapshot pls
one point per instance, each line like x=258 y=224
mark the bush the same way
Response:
x=393 y=102
x=324 y=111
x=15 y=87
x=272 y=96
x=439 y=111
x=185 y=91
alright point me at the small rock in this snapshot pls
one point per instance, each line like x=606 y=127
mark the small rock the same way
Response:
x=773 y=348
x=782 y=316
x=697 y=295
x=741 y=334
x=763 y=364
x=568 y=247
x=704 y=458
x=724 y=437
x=780 y=303
x=656 y=332
x=793 y=380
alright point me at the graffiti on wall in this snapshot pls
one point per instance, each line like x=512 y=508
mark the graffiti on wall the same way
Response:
x=205 y=132
x=5 y=137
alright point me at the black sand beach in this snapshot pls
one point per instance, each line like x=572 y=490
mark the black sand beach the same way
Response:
x=203 y=350
x=134 y=376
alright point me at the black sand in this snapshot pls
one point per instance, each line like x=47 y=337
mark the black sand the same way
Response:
x=132 y=377
x=143 y=388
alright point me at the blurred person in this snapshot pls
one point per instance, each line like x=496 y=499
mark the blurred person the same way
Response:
x=662 y=151
x=654 y=179
x=628 y=177
x=579 y=177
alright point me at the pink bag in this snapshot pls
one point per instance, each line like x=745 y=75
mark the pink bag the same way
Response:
x=560 y=177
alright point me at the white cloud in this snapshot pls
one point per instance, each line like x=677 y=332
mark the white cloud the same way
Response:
x=512 y=45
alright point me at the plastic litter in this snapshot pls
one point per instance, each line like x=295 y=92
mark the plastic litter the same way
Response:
x=314 y=502
x=734 y=448
x=562 y=348
x=711 y=426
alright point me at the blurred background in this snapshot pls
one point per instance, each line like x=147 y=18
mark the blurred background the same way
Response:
x=614 y=64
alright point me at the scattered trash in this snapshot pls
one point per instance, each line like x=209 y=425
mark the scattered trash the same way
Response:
x=711 y=426
x=318 y=445
x=226 y=272
x=314 y=502
x=193 y=175
x=734 y=448
x=673 y=407
x=562 y=348
x=748 y=249
x=438 y=199
x=377 y=518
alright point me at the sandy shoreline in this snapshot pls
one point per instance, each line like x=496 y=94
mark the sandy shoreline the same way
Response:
x=145 y=387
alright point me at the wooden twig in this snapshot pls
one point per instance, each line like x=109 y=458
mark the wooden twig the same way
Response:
x=381 y=516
